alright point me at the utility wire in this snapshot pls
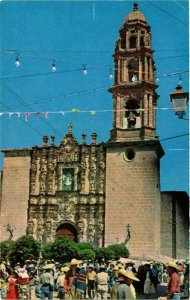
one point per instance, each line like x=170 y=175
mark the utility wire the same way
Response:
x=86 y=92
x=25 y=104
x=28 y=124
x=180 y=5
x=166 y=12
x=171 y=57
x=80 y=51
x=60 y=97
x=174 y=137
x=67 y=71
x=68 y=62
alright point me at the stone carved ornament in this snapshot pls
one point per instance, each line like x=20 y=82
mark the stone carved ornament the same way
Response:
x=51 y=175
x=70 y=151
x=43 y=174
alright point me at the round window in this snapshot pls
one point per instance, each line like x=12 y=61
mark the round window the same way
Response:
x=129 y=154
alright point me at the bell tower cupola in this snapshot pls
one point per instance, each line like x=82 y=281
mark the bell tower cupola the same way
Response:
x=134 y=89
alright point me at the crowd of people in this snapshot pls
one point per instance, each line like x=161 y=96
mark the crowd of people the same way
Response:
x=46 y=279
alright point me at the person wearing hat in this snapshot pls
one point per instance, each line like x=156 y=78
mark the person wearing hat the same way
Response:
x=60 y=282
x=91 y=277
x=27 y=264
x=17 y=266
x=102 y=283
x=23 y=283
x=113 y=292
x=81 y=282
x=47 y=282
x=70 y=278
x=125 y=289
x=173 y=287
x=113 y=278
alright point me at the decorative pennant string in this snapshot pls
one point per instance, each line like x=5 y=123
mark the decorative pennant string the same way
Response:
x=38 y=114
x=10 y=114
x=76 y=110
x=27 y=115
x=46 y=114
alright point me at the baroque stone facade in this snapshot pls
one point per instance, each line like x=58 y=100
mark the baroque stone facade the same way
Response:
x=67 y=186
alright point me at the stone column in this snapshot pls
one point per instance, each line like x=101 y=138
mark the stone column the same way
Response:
x=145 y=110
x=118 y=70
x=151 y=111
x=151 y=76
x=127 y=40
x=138 y=40
x=121 y=70
x=125 y=70
x=43 y=174
x=117 y=111
x=146 y=69
x=140 y=71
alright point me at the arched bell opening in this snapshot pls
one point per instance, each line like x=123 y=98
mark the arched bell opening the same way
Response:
x=132 y=115
x=133 y=69
x=142 y=41
x=132 y=42
x=67 y=230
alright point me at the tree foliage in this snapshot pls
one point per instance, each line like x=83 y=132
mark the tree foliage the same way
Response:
x=104 y=254
x=61 y=250
x=119 y=250
x=26 y=247
x=6 y=248
x=83 y=245
x=46 y=251
x=86 y=254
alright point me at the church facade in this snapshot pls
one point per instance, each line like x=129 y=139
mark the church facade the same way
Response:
x=109 y=192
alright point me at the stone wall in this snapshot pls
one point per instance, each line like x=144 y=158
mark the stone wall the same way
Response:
x=175 y=224
x=182 y=226
x=1 y=184
x=166 y=224
x=133 y=197
x=15 y=194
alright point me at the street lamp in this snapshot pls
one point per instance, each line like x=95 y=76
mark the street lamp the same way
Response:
x=10 y=229
x=179 y=100
x=128 y=234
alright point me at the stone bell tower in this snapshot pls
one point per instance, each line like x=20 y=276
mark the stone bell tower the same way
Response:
x=133 y=151
x=134 y=88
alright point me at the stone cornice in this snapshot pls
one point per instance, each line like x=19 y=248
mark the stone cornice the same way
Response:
x=16 y=152
x=145 y=144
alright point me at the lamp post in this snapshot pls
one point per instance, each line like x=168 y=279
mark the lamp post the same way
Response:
x=179 y=100
x=128 y=234
x=10 y=229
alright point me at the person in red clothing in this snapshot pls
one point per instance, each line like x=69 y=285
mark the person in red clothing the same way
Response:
x=70 y=279
x=23 y=283
x=13 y=289
x=174 y=282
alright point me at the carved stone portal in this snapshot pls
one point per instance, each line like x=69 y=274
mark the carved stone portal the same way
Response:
x=67 y=186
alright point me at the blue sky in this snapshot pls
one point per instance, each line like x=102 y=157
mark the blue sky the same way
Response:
x=75 y=34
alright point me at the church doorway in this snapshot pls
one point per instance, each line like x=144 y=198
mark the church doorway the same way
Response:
x=67 y=230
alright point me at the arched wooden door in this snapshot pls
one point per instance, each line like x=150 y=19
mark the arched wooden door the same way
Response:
x=67 y=230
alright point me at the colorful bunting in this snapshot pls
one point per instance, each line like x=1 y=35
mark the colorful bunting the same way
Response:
x=46 y=114
x=10 y=114
x=38 y=114
x=73 y=110
x=27 y=115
